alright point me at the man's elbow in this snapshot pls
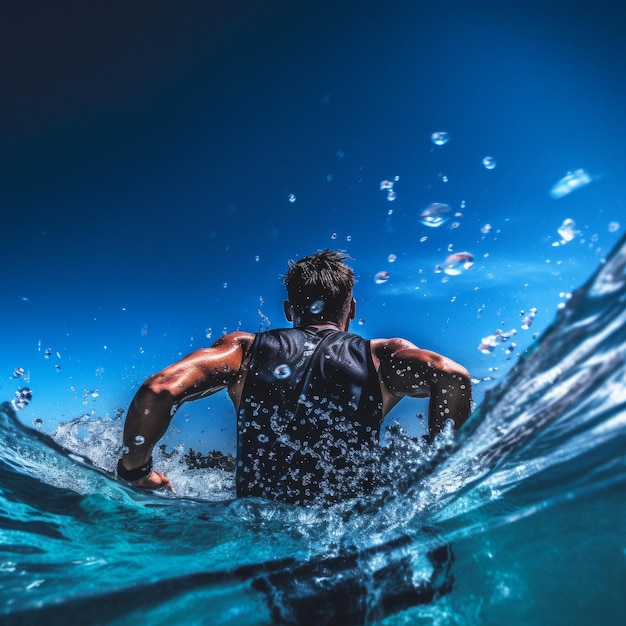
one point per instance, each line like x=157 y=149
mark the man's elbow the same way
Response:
x=154 y=394
x=455 y=373
x=464 y=378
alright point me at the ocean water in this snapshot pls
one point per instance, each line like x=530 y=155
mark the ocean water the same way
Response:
x=520 y=519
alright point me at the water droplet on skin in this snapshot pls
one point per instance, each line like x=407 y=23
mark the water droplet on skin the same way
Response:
x=317 y=307
x=139 y=440
x=282 y=371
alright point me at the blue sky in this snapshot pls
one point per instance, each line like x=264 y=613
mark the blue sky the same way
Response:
x=149 y=152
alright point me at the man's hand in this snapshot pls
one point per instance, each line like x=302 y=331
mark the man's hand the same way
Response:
x=154 y=480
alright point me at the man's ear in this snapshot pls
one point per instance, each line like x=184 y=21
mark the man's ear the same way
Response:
x=288 y=310
x=352 y=309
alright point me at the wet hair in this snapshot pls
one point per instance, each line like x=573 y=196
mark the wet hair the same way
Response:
x=319 y=286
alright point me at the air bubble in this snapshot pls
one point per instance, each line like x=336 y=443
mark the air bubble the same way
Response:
x=22 y=399
x=570 y=182
x=139 y=440
x=435 y=214
x=381 y=277
x=489 y=162
x=456 y=263
x=567 y=230
x=440 y=138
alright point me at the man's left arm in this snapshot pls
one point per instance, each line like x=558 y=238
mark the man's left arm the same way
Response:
x=411 y=371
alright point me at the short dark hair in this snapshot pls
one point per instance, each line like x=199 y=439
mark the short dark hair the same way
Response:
x=319 y=286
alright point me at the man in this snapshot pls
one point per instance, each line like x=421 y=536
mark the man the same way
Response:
x=309 y=399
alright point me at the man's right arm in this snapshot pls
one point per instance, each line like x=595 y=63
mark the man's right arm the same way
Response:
x=200 y=374
x=406 y=370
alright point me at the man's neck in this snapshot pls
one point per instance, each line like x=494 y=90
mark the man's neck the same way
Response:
x=321 y=326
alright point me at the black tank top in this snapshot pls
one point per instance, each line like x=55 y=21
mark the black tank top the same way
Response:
x=309 y=419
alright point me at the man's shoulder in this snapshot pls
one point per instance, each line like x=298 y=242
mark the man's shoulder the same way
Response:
x=388 y=346
x=247 y=339
x=238 y=337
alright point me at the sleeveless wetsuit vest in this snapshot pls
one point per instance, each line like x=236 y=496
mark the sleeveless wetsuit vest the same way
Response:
x=309 y=419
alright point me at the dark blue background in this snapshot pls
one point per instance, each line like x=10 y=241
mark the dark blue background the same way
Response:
x=149 y=150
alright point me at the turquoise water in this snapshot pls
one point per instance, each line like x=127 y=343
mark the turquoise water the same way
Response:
x=525 y=511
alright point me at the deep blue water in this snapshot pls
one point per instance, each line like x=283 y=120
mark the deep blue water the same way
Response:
x=159 y=166
x=525 y=510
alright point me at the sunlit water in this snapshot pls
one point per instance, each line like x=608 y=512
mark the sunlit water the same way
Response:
x=520 y=520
